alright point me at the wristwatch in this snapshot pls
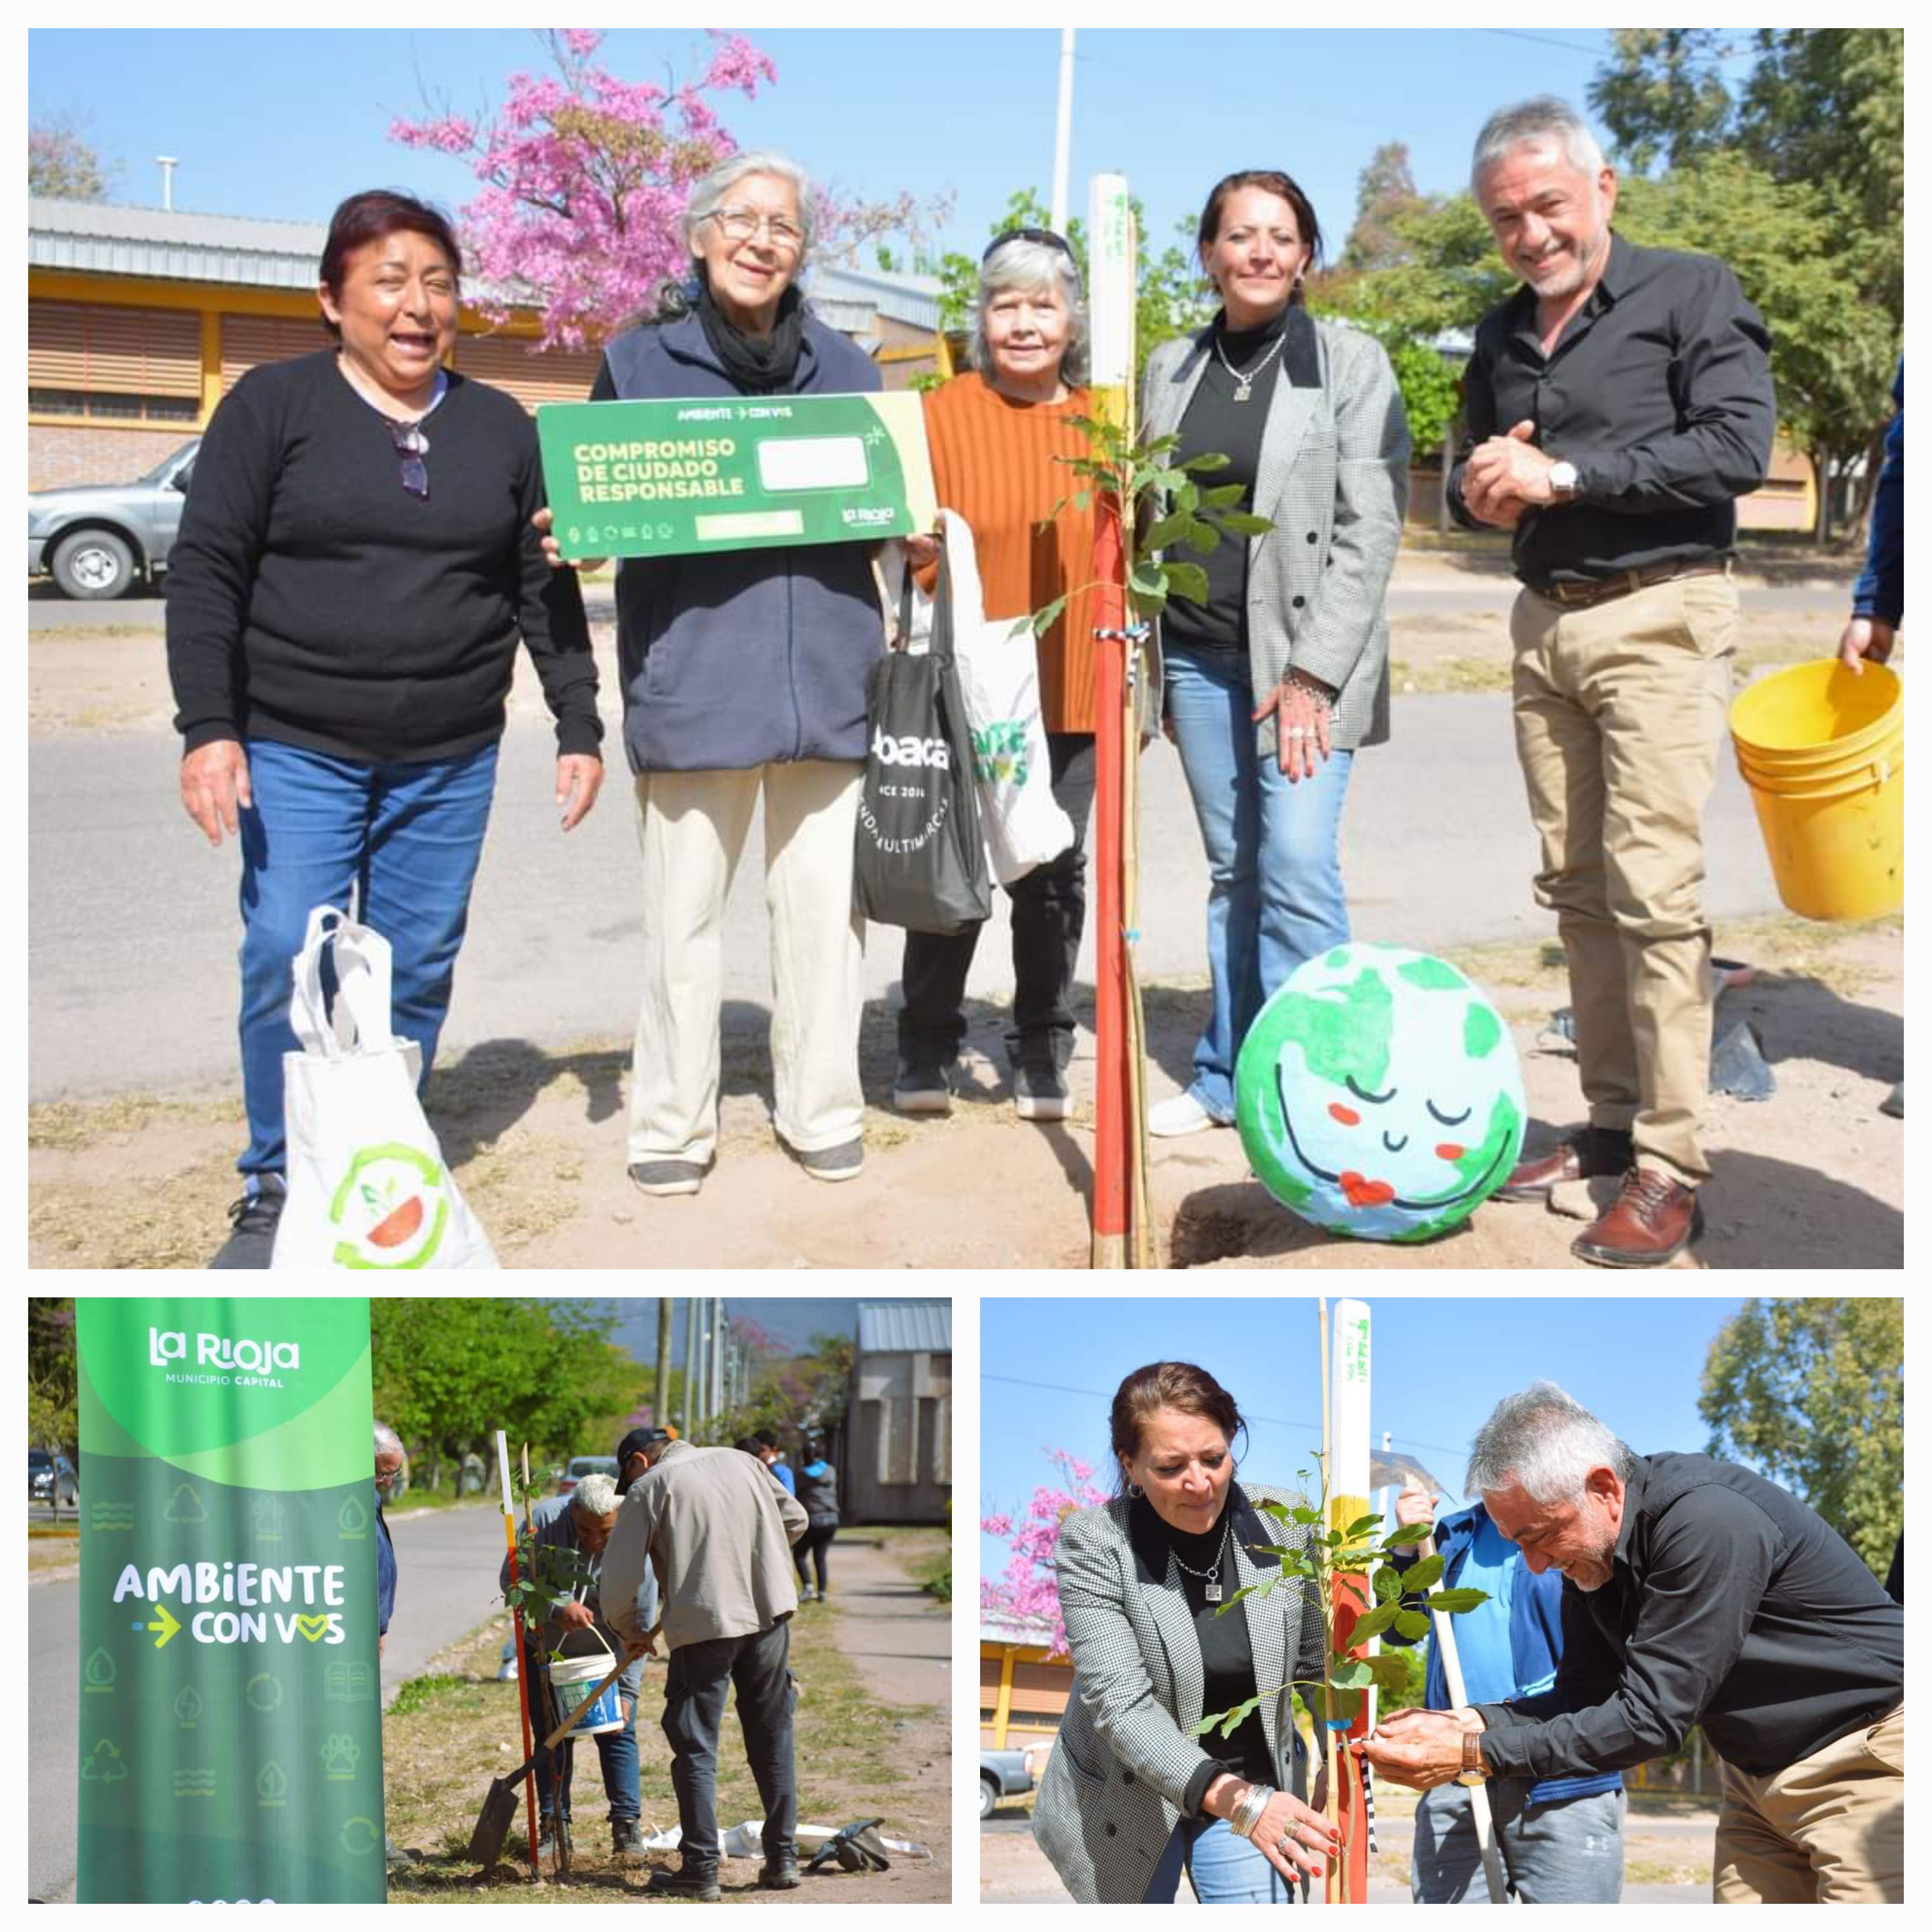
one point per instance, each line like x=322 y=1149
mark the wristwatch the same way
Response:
x=1475 y=1771
x=1564 y=479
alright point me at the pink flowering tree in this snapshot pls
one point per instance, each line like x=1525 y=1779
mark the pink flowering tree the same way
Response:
x=1024 y=1592
x=585 y=178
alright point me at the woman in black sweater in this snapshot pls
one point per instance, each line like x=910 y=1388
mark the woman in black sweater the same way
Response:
x=355 y=564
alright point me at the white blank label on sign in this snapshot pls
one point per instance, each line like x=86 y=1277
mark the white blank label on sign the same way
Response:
x=812 y=462
x=749 y=524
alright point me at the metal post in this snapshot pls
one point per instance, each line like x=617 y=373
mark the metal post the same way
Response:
x=688 y=1412
x=167 y=164
x=714 y=1398
x=1063 y=137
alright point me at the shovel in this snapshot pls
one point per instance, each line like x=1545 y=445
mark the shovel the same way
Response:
x=499 y=1807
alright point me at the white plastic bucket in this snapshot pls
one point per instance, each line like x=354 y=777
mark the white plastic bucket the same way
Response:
x=570 y=1678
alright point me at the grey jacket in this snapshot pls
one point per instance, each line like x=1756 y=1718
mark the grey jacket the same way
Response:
x=718 y=1531
x=1333 y=479
x=1120 y=1769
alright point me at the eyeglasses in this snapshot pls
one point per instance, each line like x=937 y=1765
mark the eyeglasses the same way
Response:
x=740 y=224
x=1045 y=237
x=411 y=446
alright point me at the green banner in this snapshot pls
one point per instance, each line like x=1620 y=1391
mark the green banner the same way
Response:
x=709 y=472
x=231 y=1744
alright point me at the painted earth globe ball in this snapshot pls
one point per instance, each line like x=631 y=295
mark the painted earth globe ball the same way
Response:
x=1378 y=1094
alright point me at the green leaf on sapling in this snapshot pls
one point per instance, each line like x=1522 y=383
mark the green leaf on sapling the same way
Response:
x=1242 y=525
x=1410 y=1532
x=1354 y=1674
x=1223 y=496
x=1201 y=538
x=1208 y=459
x=1302 y=1514
x=1387 y=1583
x=1427 y=1572
x=1363 y=1525
x=1167 y=531
x=1044 y=619
x=1412 y=1623
x=1372 y=1623
x=1454 y=1602
x=1186 y=580
x=1281 y=1512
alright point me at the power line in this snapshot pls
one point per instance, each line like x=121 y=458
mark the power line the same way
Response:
x=1545 y=39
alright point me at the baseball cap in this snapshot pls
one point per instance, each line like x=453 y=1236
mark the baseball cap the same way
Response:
x=638 y=1440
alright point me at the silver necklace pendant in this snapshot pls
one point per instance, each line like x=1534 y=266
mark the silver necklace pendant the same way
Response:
x=1242 y=391
x=1213 y=1592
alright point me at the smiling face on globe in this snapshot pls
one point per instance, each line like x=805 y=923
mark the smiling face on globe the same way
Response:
x=1378 y=1094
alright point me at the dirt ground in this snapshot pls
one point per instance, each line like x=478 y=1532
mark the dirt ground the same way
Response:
x=1813 y=1177
x=865 y=1748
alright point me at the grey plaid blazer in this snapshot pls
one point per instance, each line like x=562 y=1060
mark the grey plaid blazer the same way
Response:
x=1333 y=479
x=1120 y=1769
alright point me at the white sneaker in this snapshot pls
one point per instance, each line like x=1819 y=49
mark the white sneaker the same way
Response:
x=1182 y=1114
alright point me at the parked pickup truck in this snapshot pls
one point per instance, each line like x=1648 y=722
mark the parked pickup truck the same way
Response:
x=97 y=539
x=1005 y=1773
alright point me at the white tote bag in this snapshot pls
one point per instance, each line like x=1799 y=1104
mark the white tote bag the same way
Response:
x=999 y=679
x=367 y=1185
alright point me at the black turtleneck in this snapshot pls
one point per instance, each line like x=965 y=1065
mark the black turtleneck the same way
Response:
x=1227 y=1657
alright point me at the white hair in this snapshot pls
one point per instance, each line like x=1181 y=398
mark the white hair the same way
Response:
x=595 y=1494
x=708 y=194
x=1542 y=122
x=1032 y=266
x=388 y=1442
x=1546 y=1442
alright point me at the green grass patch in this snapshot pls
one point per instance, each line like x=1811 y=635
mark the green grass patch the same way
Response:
x=419 y=1693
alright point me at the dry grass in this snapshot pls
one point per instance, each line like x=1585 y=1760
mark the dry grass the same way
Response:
x=455 y=1729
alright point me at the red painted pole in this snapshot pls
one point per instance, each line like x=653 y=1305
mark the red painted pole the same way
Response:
x=1111 y=1190
x=1351 y=1600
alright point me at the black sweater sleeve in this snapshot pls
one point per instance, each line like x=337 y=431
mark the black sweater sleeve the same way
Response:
x=556 y=632
x=211 y=566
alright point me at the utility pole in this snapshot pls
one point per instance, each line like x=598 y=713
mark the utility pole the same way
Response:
x=690 y=1367
x=661 y=1395
x=718 y=1329
x=1063 y=139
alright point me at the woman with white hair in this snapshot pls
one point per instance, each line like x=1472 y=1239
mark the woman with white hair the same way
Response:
x=744 y=675
x=998 y=435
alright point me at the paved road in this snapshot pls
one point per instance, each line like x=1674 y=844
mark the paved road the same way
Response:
x=1829 y=594
x=133 y=928
x=447 y=1561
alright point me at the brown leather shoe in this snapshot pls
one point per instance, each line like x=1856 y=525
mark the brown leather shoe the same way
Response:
x=1653 y=1220
x=1582 y=1156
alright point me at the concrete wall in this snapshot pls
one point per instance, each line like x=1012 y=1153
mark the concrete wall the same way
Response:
x=898 y=1438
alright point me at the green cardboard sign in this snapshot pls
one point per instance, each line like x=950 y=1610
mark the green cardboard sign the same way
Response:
x=231 y=1744
x=684 y=474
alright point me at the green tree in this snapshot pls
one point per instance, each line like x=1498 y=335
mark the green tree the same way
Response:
x=1385 y=192
x=1662 y=93
x=61 y=162
x=53 y=1387
x=1811 y=1392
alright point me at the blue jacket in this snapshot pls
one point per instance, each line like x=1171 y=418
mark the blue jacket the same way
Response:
x=386 y=1571
x=742 y=657
x=1880 y=591
x=1536 y=1639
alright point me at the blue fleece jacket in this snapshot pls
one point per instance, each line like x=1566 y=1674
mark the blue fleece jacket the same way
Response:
x=742 y=658
x=1880 y=591
x=1535 y=1635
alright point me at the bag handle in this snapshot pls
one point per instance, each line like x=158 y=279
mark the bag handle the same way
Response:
x=939 y=643
x=360 y=1020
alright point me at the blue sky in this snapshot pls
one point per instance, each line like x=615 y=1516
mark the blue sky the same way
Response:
x=1440 y=1364
x=282 y=124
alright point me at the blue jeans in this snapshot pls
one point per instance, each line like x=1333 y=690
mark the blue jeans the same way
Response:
x=1226 y=1870
x=407 y=837
x=1567 y=1851
x=616 y=1752
x=1275 y=897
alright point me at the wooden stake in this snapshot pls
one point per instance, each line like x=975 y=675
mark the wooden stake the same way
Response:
x=1333 y=1886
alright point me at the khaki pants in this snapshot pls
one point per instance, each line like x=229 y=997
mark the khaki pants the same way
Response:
x=691 y=826
x=1619 y=709
x=1830 y=1830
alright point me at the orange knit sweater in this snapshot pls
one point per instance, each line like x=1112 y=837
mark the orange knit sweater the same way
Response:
x=993 y=465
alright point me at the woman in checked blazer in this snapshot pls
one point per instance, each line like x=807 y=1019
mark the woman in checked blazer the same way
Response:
x=1131 y=1797
x=1272 y=684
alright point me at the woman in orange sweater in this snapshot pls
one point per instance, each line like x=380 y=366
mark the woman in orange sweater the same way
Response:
x=994 y=434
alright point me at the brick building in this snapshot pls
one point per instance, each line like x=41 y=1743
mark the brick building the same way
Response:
x=139 y=320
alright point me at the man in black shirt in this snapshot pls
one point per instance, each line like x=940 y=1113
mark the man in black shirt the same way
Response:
x=1617 y=405
x=1695 y=1592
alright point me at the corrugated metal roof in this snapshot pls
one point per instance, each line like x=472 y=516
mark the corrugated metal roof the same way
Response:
x=108 y=239
x=905 y=1327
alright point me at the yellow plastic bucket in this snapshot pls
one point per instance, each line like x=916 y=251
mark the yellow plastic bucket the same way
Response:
x=1822 y=750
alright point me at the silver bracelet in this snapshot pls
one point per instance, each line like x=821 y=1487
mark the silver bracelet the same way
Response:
x=1320 y=694
x=1248 y=1809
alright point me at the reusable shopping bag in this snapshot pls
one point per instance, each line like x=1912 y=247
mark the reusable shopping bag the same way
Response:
x=368 y=1187
x=919 y=861
x=999 y=679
